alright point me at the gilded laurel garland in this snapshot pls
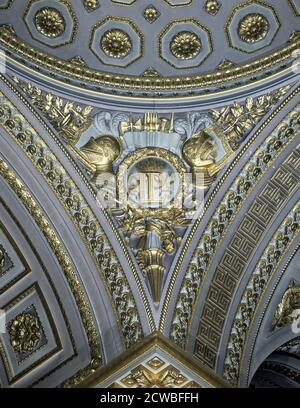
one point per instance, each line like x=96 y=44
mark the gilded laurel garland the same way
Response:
x=185 y=45
x=253 y=28
x=216 y=228
x=116 y=43
x=80 y=213
x=50 y=22
x=68 y=119
x=25 y=332
x=240 y=118
x=255 y=289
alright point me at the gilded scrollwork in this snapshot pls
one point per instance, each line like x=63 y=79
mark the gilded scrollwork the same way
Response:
x=80 y=213
x=288 y=310
x=168 y=377
x=69 y=119
x=240 y=118
x=66 y=264
x=151 y=231
x=26 y=332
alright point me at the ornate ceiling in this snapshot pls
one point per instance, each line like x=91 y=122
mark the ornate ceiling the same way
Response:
x=108 y=277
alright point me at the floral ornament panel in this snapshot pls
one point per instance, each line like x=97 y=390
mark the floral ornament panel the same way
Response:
x=26 y=333
x=151 y=14
x=91 y=5
x=50 y=22
x=212 y=6
x=116 y=43
x=185 y=45
x=253 y=28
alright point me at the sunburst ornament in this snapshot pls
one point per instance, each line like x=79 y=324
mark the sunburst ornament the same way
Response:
x=253 y=28
x=50 y=22
x=116 y=43
x=185 y=45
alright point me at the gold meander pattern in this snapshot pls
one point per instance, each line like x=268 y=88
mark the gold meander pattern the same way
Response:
x=82 y=216
x=229 y=206
x=237 y=254
x=210 y=198
x=258 y=282
x=65 y=263
x=9 y=40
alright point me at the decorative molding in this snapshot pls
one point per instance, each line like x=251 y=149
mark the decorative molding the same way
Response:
x=240 y=250
x=288 y=310
x=6 y=263
x=151 y=14
x=144 y=377
x=212 y=7
x=282 y=369
x=83 y=218
x=66 y=264
x=68 y=119
x=216 y=228
x=50 y=22
x=91 y=5
x=9 y=40
x=237 y=120
x=155 y=353
x=260 y=278
x=26 y=332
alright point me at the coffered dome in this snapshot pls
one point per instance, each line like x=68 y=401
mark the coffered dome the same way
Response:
x=171 y=48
